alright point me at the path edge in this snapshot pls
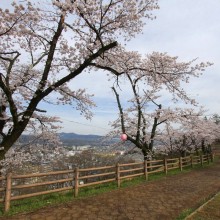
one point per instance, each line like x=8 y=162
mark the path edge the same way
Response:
x=202 y=206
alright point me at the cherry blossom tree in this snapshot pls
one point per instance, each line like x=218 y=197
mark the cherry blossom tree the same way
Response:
x=192 y=132
x=42 y=147
x=216 y=118
x=43 y=47
x=148 y=77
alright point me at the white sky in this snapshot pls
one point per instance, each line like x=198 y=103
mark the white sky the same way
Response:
x=184 y=28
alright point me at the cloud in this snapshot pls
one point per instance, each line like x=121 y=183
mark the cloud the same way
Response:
x=185 y=28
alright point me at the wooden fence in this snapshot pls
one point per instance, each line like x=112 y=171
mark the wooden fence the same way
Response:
x=78 y=178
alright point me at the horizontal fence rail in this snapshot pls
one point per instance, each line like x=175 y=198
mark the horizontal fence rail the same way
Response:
x=11 y=185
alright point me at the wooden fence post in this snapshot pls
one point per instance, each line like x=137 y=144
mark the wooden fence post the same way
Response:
x=145 y=170
x=76 y=189
x=118 y=174
x=8 y=192
x=191 y=161
x=165 y=165
x=180 y=164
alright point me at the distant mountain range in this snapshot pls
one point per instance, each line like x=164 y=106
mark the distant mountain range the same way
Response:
x=79 y=136
x=70 y=139
x=73 y=139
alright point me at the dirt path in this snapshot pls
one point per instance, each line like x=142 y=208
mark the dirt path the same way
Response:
x=162 y=199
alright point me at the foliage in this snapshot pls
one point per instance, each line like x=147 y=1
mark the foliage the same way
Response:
x=42 y=50
x=194 y=133
x=146 y=121
x=184 y=214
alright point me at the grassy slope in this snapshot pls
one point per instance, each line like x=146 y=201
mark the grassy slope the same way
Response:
x=209 y=211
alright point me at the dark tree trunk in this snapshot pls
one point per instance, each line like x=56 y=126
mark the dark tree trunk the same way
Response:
x=203 y=147
x=209 y=149
x=11 y=138
x=19 y=127
x=183 y=153
x=2 y=119
x=154 y=128
x=144 y=151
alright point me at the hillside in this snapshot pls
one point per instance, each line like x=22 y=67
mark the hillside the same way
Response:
x=73 y=139
x=70 y=139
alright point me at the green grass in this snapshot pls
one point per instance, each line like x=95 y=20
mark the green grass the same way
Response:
x=34 y=203
x=184 y=214
x=201 y=216
x=209 y=211
x=37 y=202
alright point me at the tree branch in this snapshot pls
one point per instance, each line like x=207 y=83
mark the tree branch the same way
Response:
x=107 y=68
x=120 y=110
x=83 y=66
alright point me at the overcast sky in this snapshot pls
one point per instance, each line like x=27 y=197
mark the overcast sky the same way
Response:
x=185 y=28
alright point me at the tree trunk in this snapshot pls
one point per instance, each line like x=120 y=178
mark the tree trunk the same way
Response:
x=145 y=150
x=153 y=131
x=12 y=137
x=183 y=153
x=145 y=154
x=203 y=147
